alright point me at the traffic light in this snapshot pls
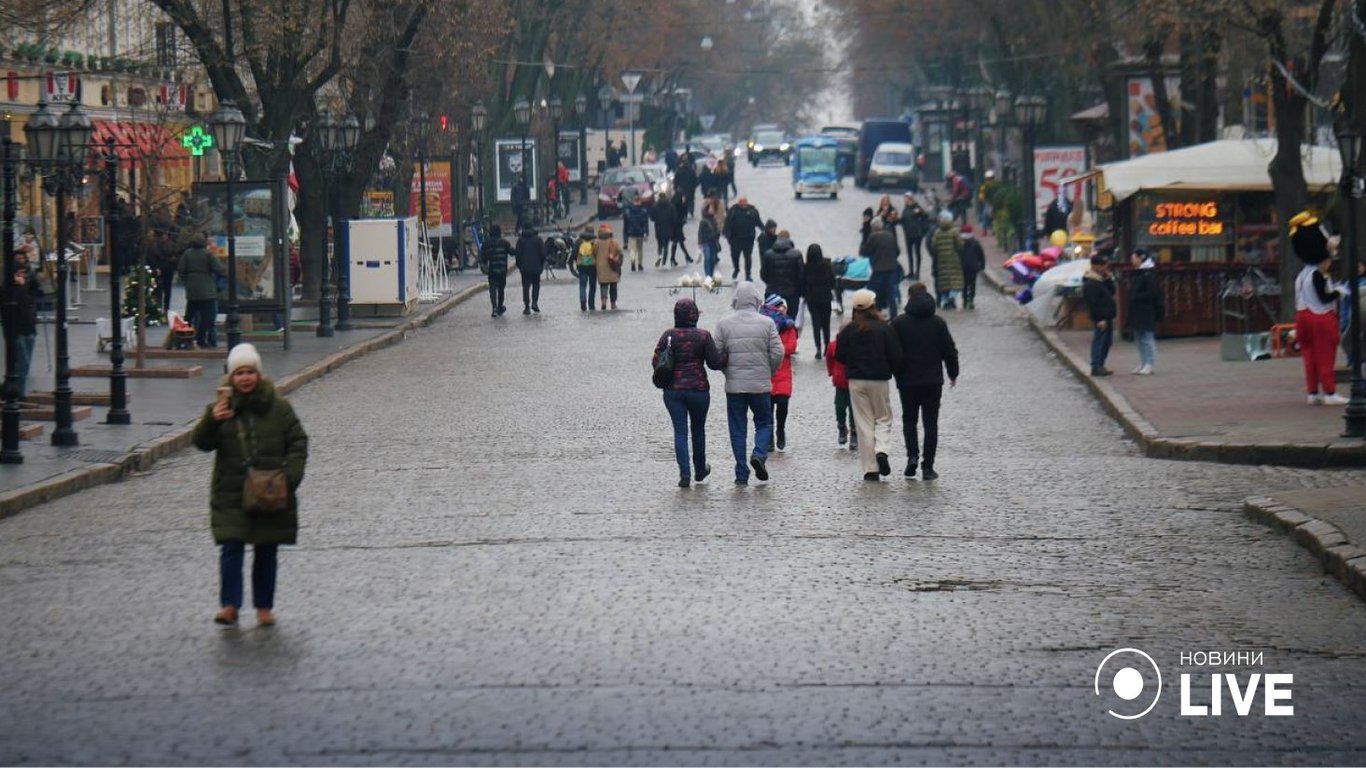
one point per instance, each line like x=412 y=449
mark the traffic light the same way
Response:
x=445 y=123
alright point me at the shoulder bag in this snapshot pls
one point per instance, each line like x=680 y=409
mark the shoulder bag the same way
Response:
x=663 y=374
x=263 y=490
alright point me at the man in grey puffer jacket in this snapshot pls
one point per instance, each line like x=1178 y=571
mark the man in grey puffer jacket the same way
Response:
x=749 y=343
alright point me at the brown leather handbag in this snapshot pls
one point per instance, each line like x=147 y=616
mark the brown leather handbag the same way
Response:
x=264 y=490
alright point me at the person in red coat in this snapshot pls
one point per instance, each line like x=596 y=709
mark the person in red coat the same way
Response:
x=775 y=308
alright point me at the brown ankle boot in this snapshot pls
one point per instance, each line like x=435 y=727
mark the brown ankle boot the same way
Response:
x=226 y=615
x=264 y=617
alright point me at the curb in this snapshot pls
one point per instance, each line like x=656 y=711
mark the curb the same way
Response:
x=1326 y=541
x=1154 y=446
x=142 y=457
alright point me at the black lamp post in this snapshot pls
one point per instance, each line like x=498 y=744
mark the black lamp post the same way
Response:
x=605 y=101
x=1349 y=142
x=556 y=112
x=228 y=126
x=421 y=123
x=9 y=421
x=338 y=139
x=118 y=377
x=326 y=129
x=979 y=99
x=60 y=147
x=479 y=118
x=581 y=109
x=521 y=110
x=1001 y=117
x=1030 y=113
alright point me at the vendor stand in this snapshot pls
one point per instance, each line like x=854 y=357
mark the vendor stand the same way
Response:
x=1207 y=216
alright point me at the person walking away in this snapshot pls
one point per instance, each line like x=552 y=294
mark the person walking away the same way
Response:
x=562 y=180
x=870 y=353
x=708 y=240
x=494 y=256
x=858 y=271
x=20 y=317
x=865 y=228
x=723 y=178
x=552 y=198
x=680 y=240
x=636 y=227
x=530 y=262
x=835 y=369
x=985 y=193
x=588 y=271
x=706 y=182
x=685 y=182
x=250 y=425
x=521 y=202
x=775 y=309
x=198 y=270
x=1316 y=298
x=665 y=215
x=163 y=256
x=688 y=397
x=927 y=352
x=1098 y=291
x=741 y=225
x=607 y=256
x=881 y=249
x=974 y=261
x=947 y=247
x=916 y=223
x=767 y=238
x=1145 y=309
x=818 y=290
x=780 y=267
x=751 y=352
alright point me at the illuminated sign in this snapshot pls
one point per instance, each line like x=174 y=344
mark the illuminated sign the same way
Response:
x=197 y=141
x=1206 y=220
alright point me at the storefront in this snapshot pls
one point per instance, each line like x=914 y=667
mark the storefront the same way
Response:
x=1206 y=214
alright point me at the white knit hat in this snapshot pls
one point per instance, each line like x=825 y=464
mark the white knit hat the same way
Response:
x=244 y=356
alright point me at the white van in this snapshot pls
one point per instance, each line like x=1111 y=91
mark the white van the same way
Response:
x=893 y=165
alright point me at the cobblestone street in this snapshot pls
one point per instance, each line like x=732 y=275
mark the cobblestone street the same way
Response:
x=495 y=567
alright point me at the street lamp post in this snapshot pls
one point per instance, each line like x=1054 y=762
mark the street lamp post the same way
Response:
x=581 y=109
x=479 y=117
x=118 y=377
x=556 y=112
x=979 y=98
x=605 y=101
x=60 y=147
x=339 y=141
x=9 y=421
x=521 y=110
x=1349 y=142
x=1030 y=111
x=421 y=124
x=228 y=126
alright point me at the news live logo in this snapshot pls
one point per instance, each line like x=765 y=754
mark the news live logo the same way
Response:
x=1129 y=683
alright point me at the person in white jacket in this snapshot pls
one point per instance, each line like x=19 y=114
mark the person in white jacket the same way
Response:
x=752 y=352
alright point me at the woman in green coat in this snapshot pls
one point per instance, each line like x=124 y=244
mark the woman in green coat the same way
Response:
x=199 y=270
x=249 y=421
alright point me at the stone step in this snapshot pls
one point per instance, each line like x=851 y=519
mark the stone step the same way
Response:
x=185 y=354
x=77 y=398
x=102 y=371
x=30 y=431
x=49 y=413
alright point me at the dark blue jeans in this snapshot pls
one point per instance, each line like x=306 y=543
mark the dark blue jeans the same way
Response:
x=588 y=285
x=1100 y=345
x=263 y=570
x=738 y=406
x=884 y=284
x=688 y=407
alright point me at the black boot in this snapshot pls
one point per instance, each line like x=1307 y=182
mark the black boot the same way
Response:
x=844 y=434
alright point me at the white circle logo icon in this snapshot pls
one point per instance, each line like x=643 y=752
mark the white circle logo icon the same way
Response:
x=1125 y=670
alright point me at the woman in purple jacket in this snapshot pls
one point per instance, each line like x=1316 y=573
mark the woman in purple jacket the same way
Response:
x=688 y=396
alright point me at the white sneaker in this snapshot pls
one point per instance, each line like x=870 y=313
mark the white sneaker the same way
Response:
x=1316 y=400
x=1144 y=371
x=1335 y=399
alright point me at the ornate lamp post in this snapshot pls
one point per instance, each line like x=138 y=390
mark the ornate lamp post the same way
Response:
x=1349 y=143
x=521 y=110
x=581 y=109
x=605 y=101
x=979 y=99
x=1001 y=117
x=228 y=127
x=60 y=147
x=1030 y=112
x=118 y=377
x=556 y=112
x=479 y=118
x=338 y=148
x=9 y=421
x=326 y=132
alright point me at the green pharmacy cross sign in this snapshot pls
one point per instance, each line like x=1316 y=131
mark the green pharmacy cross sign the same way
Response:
x=197 y=141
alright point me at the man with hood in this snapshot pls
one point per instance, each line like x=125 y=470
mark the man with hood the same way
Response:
x=742 y=223
x=780 y=267
x=927 y=351
x=1098 y=291
x=881 y=249
x=752 y=352
x=494 y=256
x=530 y=262
x=947 y=249
x=974 y=261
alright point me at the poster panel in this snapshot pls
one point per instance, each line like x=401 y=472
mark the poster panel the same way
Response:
x=1145 y=125
x=1051 y=165
x=257 y=226
x=568 y=153
x=511 y=163
x=439 y=196
x=377 y=204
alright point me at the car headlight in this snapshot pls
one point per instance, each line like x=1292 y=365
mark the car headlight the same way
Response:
x=603 y=197
x=783 y=147
x=758 y=147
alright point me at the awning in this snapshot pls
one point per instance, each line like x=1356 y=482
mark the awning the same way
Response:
x=1098 y=112
x=139 y=142
x=1231 y=165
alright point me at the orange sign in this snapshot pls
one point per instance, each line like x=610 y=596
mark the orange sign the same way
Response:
x=439 y=197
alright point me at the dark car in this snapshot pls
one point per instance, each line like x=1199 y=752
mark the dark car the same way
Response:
x=619 y=185
x=770 y=145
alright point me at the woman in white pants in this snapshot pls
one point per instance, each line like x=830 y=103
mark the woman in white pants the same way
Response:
x=871 y=354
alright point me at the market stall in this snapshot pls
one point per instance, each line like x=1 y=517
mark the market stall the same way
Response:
x=1207 y=215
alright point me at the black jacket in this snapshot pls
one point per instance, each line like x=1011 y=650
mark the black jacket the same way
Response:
x=685 y=177
x=926 y=345
x=530 y=255
x=882 y=250
x=742 y=223
x=495 y=256
x=780 y=268
x=872 y=354
x=1099 y=294
x=765 y=242
x=665 y=216
x=1145 y=300
x=819 y=279
x=974 y=258
x=22 y=316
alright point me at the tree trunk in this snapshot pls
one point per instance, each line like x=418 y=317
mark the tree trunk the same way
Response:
x=1287 y=181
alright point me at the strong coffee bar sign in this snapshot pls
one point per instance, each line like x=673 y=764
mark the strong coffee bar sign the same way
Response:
x=1193 y=220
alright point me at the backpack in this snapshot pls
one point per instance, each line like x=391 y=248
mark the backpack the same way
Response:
x=585 y=253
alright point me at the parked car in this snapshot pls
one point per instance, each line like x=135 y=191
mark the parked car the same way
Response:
x=619 y=185
x=893 y=165
x=759 y=127
x=769 y=145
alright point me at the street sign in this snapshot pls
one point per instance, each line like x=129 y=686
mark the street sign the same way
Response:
x=630 y=80
x=707 y=121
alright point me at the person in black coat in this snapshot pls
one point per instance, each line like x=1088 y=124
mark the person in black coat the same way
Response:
x=530 y=262
x=494 y=256
x=974 y=261
x=20 y=319
x=742 y=221
x=685 y=182
x=521 y=201
x=679 y=241
x=1098 y=291
x=780 y=267
x=927 y=351
x=818 y=290
x=664 y=213
x=916 y=224
x=1145 y=309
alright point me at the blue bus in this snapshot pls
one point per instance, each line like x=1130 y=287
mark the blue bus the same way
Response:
x=815 y=169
